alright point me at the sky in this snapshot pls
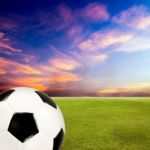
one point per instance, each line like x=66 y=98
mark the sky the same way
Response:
x=76 y=48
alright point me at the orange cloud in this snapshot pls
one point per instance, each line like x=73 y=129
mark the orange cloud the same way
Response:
x=33 y=82
x=2 y=71
x=44 y=83
x=64 y=63
x=12 y=67
x=129 y=89
x=38 y=76
x=63 y=77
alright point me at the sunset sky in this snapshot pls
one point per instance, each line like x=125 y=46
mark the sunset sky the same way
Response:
x=76 y=48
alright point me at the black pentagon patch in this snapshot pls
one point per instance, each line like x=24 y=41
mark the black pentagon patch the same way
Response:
x=4 y=95
x=23 y=126
x=58 y=140
x=46 y=99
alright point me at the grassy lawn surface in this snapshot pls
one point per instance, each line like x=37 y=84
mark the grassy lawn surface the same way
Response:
x=106 y=123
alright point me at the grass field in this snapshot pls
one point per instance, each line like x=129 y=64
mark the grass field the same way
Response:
x=106 y=124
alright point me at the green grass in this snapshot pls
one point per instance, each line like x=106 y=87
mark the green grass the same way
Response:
x=106 y=124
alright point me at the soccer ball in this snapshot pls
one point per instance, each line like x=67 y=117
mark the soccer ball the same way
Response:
x=29 y=120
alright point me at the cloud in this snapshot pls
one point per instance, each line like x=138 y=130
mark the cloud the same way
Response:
x=99 y=58
x=15 y=68
x=33 y=82
x=55 y=20
x=144 y=23
x=138 y=89
x=66 y=18
x=63 y=77
x=91 y=59
x=64 y=64
x=65 y=13
x=116 y=40
x=62 y=88
x=5 y=45
x=59 y=69
x=2 y=71
x=75 y=30
x=39 y=76
x=137 y=17
x=7 y=23
x=103 y=39
x=63 y=61
x=7 y=48
x=91 y=12
x=95 y=12
x=136 y=43
x=18 y=74
x=53 y=73
x=25 y=58
x=61 y=18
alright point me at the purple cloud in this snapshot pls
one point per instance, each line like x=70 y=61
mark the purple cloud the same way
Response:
x=7 y=23
x=137 y=17
x=6 y=46
x=75 y=30
x=65 y=13
x=95 y=12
